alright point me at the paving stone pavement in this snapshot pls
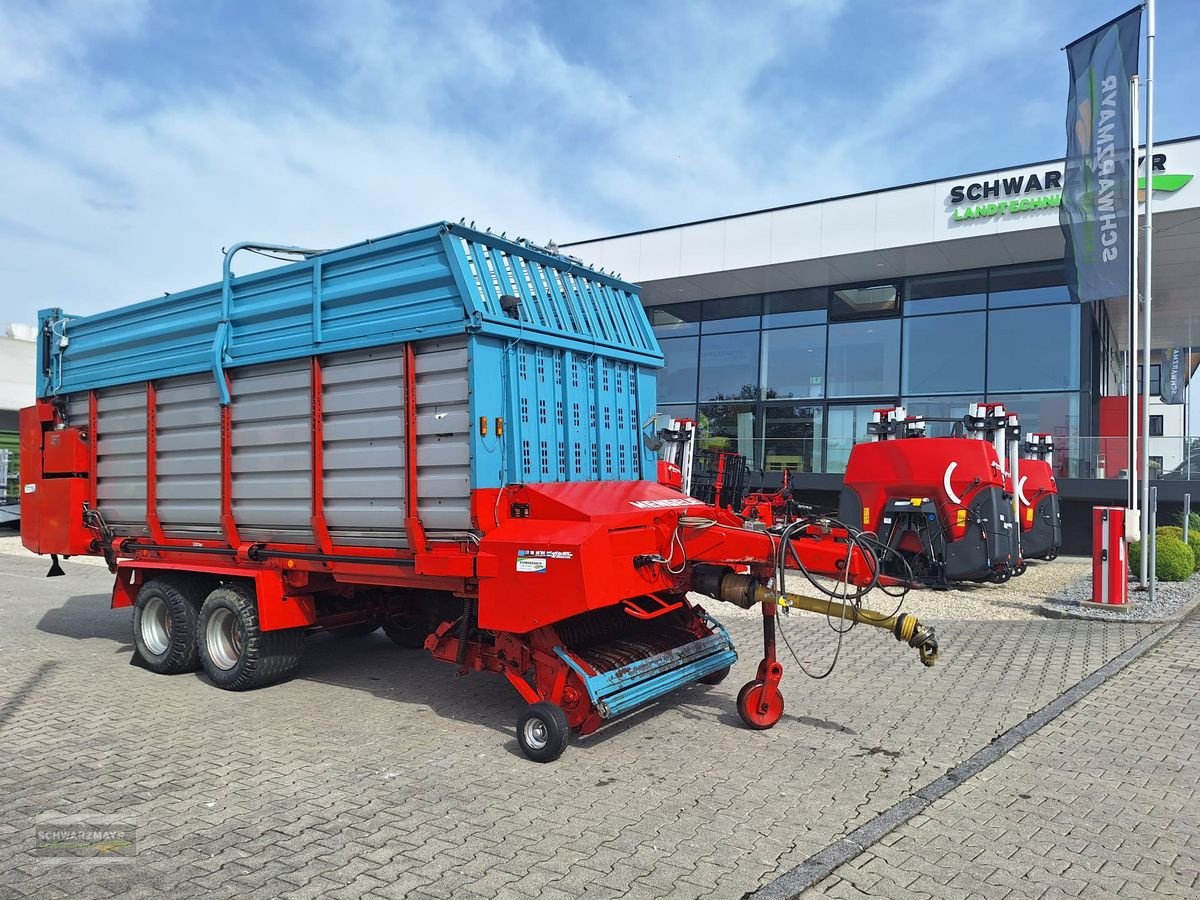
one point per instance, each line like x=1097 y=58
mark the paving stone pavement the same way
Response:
x=1104 y=801
x=377 y=772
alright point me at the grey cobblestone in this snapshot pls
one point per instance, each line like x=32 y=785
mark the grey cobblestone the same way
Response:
x=377 y=772
x=1102 y=802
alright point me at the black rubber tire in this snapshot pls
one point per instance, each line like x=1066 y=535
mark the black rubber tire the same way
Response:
x=259 y=657
x=409 y=633
x=714 y=677
x=746 y=688
x=542 y=732
x=181 y=601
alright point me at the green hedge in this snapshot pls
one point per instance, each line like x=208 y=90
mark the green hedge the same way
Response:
x=1174 y=560
x=1176 y=532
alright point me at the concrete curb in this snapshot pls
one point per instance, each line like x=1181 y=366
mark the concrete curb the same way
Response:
x=1053 y=610
x=793 y=883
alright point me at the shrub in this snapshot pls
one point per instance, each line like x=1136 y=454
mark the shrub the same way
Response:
x=1176 y=533
x=1193 y=538
x=1174 y=561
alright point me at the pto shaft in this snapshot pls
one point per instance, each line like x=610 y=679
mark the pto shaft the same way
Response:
x=746 y=591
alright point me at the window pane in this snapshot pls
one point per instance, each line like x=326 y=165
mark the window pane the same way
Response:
x=953 y=292
x=731 y=314
x=793 y=437
x=730 y=369
x=940 y=408
x=943 y=353
x=677 y=378
x=669 y=411
x=793 y=363
x=806 y=307
x=864 y=302
x=1056 y=414
x=1033 y=349
x=675 y=320
x=1028 y=285
x=864 y=359
x=728 y=426
x=847 y=427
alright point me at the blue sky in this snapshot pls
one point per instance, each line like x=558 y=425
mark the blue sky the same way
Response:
x=139 y=138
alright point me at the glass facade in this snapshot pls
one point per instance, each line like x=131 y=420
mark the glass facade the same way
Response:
x=944 y=354
x=789 y=379
x=864 y=358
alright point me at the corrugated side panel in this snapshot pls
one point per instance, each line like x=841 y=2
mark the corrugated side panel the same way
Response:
x=272 y=451
x=443 y=434
x=121 y=457
x=189 y=457
x=363 y=451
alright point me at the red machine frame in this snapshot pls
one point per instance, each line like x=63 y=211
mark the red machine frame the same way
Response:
x=635 y=547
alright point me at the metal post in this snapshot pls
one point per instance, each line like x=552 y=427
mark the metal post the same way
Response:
x=1147 y=295
x=1151 y=549
x=1187 y=515
x=1131 y=392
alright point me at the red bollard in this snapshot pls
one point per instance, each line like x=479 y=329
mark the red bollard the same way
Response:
x=1110 y=561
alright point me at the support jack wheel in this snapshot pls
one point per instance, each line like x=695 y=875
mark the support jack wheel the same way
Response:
x=760 y=706
x=542 y=732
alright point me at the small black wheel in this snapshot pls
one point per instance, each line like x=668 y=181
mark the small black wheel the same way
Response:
x=715 y=677
x=1001 y=576
x=407 y=631
x=542 y=732
x=1021 y=569
x=236 y=653
x=1050 y=555
x=164 y=626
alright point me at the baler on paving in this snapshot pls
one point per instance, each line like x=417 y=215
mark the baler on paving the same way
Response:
x=1041 y=519
x=437 y=432
x=959 y=508
x=941 y=506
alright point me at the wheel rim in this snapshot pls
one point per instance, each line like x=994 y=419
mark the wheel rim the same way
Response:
x=156 y=626
x=223 y=638
x=537 y=735
x=759 y=707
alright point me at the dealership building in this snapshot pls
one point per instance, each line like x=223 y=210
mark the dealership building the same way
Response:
x=784 y=328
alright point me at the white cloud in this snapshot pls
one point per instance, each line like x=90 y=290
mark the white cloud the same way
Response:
x=120 y=188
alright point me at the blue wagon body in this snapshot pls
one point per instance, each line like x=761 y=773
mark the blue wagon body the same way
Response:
x=561 y=354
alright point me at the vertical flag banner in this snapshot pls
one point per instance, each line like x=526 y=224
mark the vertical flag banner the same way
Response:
x=1095 y=212
x=1174 y=377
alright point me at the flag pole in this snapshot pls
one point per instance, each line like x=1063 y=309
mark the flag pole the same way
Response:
x=1147 y=577
x=1131 y=384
